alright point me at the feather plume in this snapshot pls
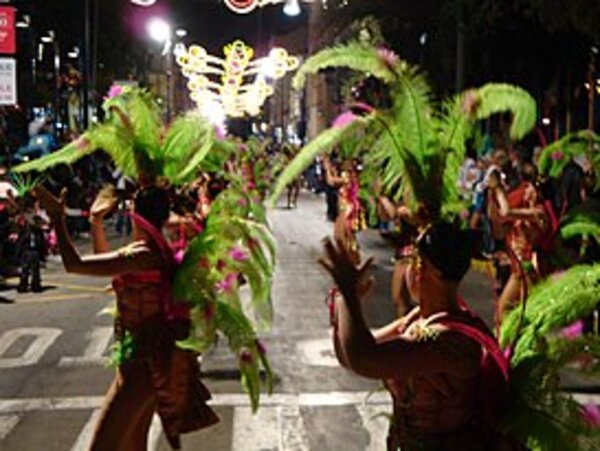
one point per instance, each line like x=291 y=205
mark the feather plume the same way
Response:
x=354 y=55
x=500 y=97
x=67 y=155
x=555 y=156
x=552 y=304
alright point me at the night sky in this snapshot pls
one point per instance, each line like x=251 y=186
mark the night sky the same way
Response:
x=517 y=49
x=209 y=22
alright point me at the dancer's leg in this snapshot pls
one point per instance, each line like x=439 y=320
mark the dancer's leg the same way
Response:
x=127 y=412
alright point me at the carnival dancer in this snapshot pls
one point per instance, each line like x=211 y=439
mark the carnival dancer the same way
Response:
x=168 y=311
x=157 y=376
x=522 y=215
x=429 y=368
x=350 y=218
x=293 y=189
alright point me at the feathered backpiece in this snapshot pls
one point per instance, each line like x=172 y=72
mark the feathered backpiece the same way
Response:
x=557 y=155
x=539 y=413
x=138 y=142
x=418 y=145
x=235 y=251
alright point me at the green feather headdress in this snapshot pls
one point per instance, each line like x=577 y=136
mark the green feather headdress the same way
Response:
x=418 y=144
x=557 y=155
x=138 y=142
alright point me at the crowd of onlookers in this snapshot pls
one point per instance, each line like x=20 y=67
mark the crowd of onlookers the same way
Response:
x=26 y=238
x=509 y=202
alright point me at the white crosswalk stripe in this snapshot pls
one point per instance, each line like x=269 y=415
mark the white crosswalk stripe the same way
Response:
x=277 y=426
x=376 y=422
x=85 y=436
x=99 y=340
x=7 y=424
x=256 y=432
x=293 y=436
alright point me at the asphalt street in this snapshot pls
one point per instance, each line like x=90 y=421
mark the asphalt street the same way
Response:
x=53 y=348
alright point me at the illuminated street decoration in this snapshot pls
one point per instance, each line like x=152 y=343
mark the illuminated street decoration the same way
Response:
x=236 y=85
x=247 y=6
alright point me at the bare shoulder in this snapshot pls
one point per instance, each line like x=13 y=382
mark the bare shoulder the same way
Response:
x=141 y=253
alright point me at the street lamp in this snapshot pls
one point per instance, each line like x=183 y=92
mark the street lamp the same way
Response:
x=159 y=30
x=25 y=22
x=74 y=54
x=291 y=8
x=143 y=2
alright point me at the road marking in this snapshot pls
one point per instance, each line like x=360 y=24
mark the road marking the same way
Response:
x=56 y=297
x=376 y=424
x=255 y=432
x=293 y=436
x=154 y=434
x=23 y=405
x=44 y=338
x=277 y=425
x=7 y=424
x=84 y=439
x=328 y=399
x=87 y=288
x=318 y=352
x=99 y=340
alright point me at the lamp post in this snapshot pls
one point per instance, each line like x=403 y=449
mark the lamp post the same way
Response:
x=50 y=38
x=26 y=26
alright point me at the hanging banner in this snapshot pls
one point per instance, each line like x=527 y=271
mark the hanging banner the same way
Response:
x=8 y=42
x=8 y=81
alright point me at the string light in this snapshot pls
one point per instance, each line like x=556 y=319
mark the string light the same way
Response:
x=236 y=85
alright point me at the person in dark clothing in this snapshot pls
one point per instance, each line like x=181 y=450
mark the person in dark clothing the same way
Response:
x=332 y=183
x=31 y=244
x=571 y=186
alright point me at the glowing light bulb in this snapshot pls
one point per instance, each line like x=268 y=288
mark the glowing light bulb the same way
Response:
x=292 y=8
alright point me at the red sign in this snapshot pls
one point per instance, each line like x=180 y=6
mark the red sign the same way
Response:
x=8 y=42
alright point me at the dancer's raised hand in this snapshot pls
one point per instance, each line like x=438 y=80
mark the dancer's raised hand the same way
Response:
x=54 y=206
x=104 y=203
x=354 y=281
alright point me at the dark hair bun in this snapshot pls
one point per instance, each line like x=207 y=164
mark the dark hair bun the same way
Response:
x=153 y=204
x=449 y=249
